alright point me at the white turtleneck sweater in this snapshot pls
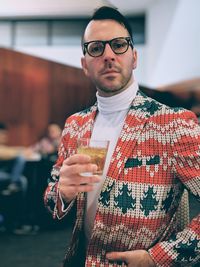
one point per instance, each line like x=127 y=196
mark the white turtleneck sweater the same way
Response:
x=107 y=126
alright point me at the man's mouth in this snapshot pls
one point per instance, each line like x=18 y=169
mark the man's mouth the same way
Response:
x=110 y=71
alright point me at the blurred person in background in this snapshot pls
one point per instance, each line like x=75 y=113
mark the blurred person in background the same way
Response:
x=13 y=185
x=47 y=146
x=43 y=153
x=127 y=217
x=11 y=165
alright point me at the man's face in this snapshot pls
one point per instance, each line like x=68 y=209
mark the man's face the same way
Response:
x=54 y=132
x=3 y=137
x=111 y=73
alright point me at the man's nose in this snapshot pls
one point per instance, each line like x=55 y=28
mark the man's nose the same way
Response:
x=108 y=53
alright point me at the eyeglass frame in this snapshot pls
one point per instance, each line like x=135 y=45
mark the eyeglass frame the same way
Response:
x=128 y=39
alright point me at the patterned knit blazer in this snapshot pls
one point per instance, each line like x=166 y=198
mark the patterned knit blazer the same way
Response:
x=157 y=155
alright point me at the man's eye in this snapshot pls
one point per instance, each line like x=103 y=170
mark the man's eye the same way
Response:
x=119 y=45
x=95 y=48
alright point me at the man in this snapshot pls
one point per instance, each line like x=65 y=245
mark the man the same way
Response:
x=11 y=165
x=128 y=217
x=13 y=185
x=49 y=143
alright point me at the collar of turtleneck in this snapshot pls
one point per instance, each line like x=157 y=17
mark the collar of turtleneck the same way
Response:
x=119 y=102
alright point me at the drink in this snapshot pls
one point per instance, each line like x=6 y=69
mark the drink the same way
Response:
x=96 y=149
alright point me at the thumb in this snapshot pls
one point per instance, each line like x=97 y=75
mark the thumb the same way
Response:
x=117 y=256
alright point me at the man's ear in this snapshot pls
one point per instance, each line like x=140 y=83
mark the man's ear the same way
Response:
x=134 y=58
x=84 y=66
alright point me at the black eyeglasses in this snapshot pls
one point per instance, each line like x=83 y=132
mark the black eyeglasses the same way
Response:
x=118 y=45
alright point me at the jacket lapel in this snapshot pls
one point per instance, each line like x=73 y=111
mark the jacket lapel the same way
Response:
x=134 y=123
x=87 y=122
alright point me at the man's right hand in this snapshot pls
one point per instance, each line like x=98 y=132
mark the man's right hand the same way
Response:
x=71 y=181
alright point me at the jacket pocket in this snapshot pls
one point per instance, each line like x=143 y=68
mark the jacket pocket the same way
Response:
x=141 y=161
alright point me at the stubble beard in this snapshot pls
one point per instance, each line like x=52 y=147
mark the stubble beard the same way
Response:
x=114 y=88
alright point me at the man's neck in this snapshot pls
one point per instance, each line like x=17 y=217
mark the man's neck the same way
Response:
x=106 y=92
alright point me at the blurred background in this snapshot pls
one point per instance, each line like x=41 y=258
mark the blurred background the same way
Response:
x=41 y=83
x=166 y=33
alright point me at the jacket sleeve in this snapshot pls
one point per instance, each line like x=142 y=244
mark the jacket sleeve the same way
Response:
x=52 y=198
x=183 y=248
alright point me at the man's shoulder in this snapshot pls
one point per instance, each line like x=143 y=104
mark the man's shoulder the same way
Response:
x=157 y=108
x=83 y=114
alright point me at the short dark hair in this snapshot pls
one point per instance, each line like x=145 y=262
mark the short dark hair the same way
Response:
x=106 y=12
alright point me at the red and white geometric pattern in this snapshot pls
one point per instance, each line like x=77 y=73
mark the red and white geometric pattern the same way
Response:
x=156 y=156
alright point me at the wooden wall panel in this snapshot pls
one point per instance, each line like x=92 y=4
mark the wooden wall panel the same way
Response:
x=70 y=92
x=24 y=100
x=35 y=92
